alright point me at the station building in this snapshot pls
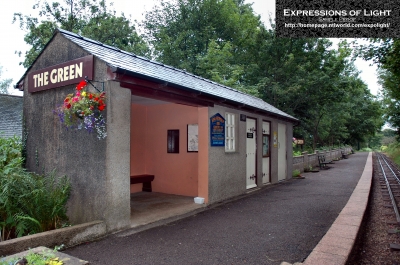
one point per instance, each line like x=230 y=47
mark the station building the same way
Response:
x=196 y=137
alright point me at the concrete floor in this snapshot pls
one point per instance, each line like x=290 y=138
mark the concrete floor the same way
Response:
x=152 y=207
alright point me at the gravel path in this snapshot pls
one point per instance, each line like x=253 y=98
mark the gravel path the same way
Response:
x=281 y=222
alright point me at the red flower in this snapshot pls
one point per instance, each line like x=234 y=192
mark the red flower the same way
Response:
x=91 y=107
x=81 y=85
x=90 y=96
x=101 y=102
x=68 y=106
x=101 y=107
x=96 y=99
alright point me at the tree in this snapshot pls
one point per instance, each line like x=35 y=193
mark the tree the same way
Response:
x=182 y=31
x=4 y=84
x=319 y=85
x=90 y=18
x=385 y=53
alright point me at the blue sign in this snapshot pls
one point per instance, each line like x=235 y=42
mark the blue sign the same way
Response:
x=217 y=130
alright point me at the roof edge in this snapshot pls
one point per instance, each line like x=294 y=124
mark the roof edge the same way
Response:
x=119 y=70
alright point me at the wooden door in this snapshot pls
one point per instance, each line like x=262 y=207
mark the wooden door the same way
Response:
x=282 y=160
x=251 y=153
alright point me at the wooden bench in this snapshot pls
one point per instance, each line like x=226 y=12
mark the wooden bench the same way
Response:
x=145 y=179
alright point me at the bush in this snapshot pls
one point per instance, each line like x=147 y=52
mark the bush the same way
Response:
x=29 y=203
x=296 y=153
x=366 y=149
x=296 y=173
x=393 y=151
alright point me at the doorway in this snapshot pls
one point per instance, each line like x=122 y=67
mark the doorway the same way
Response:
x=251 y=151
x=282 y=159
x=266 y=152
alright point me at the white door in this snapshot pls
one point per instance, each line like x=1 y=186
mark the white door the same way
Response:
x=250 y=153
x=282 y=161
x=266 y=152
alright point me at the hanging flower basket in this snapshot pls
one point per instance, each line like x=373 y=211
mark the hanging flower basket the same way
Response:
x=84 y=110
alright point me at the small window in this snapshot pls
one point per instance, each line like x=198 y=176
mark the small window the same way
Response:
x=173 y=141
x=265 y=147
x=230 y=137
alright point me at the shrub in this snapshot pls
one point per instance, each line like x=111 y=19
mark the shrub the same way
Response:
x=296 y=153
x=296 y=173
x=393 y=151
x=366 y=149
x=29 y=203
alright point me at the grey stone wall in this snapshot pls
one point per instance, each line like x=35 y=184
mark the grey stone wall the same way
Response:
x=11 y=115
x=86 y=160
x=227 y=171
x=306 y=160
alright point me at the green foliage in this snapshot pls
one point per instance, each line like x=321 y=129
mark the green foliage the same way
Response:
x=393 y=151
x=219 y=65
x=187 y=34
x=29 y=203
x=366 y=149
x=320 y=86
x=90 y=18
x=10 y=155
x=41 y=258
x=296 y=153
x=385 y=53
x=296 y=173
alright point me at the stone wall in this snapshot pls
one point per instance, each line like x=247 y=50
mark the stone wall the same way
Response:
x=306 y=160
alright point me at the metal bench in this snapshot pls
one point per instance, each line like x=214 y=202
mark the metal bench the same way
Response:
x=345 y=156
x=145 y=179
x=322 y=163
x=325 y=161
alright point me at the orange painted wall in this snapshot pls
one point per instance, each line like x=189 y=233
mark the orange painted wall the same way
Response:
x=174 y=173
x=138 y=143
x=203 y=153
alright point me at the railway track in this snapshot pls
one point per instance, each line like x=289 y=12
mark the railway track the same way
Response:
x=389 y=179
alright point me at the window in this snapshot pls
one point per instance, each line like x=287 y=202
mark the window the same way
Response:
x=230 y=135
x=173 y=141
x=265 y=148
x=266 y=139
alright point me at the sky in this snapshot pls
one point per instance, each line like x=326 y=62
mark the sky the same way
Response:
x=13 y=36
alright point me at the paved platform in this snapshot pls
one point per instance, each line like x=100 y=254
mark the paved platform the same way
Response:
x=283 y=222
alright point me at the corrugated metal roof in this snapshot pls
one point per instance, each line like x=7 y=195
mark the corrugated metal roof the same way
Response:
x=115 y=57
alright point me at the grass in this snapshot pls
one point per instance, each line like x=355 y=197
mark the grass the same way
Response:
x=393 y=151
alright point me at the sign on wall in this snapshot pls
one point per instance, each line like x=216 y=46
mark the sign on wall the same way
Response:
x=193 y=138
x=217 y=130
x=67 y=73
x=275 y=139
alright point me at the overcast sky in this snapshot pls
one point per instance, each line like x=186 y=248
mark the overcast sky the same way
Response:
x=13 y=36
